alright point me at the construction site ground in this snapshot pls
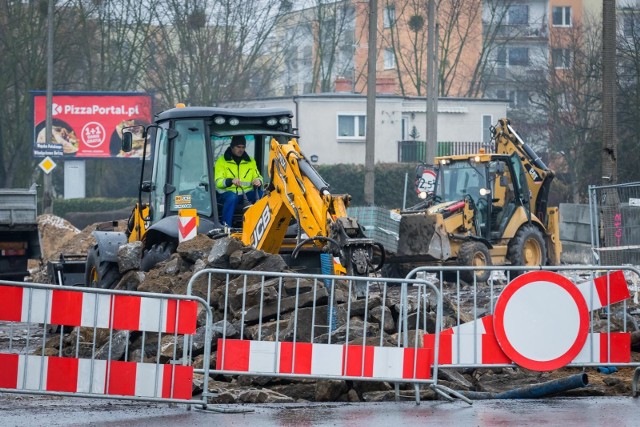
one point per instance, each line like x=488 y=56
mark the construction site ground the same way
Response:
x=58 y=235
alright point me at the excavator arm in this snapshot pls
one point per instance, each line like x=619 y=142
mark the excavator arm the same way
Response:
x=297 y=192
x=538 y=175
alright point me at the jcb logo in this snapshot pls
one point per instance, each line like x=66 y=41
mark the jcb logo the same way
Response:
x=261 y=226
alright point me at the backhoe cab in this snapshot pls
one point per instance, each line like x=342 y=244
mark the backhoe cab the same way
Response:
x=486 y=208
x=298 y=217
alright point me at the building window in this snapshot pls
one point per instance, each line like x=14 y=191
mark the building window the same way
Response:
x=512 y=56
x=563 y=102
x=561 y=16
x=519 y=56
x=518 y=14
x=389 y=16
x=389 y=59
x=631 y=25
x=351 y=125
x=487 y=122
x=519 y=98
x=561 y=58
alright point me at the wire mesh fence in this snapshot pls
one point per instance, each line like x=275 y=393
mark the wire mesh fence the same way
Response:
x=615 y=223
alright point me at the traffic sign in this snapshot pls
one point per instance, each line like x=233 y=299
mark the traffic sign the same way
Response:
x=541 y=321
x=47 y=165
x=426 y=182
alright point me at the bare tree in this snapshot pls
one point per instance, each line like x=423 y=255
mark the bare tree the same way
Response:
x=208 y=51
x=628 y=97
x=570 y=98
x=22 y=48
x=112 y=53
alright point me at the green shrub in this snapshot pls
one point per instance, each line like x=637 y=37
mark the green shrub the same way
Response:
x=389 y=184
x=61 y=207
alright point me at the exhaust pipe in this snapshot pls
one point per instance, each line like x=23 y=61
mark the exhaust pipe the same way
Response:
x=534 y=391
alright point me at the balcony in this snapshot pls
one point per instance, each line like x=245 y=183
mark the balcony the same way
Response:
x=415 y=151
x=524 y=31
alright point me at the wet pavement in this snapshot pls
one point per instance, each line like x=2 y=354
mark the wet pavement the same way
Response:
x=23 y=410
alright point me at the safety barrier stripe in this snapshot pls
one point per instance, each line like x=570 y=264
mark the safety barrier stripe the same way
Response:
x=605 y=290
x=597 y=349
x=459 y=349
x=323 y=360
x=114 y=378
x=73 y=308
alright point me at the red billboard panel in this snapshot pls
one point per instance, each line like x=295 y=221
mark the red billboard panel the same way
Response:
x=89 y=124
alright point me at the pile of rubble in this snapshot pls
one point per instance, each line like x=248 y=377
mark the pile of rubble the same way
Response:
x=172 y=276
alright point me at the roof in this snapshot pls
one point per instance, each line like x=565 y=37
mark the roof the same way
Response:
x=198 y=112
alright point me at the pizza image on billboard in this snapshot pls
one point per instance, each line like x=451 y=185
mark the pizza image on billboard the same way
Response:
x=136 y=127
x=63 y=137
x=89 y=124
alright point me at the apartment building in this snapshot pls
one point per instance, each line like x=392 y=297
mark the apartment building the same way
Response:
x=329 y=42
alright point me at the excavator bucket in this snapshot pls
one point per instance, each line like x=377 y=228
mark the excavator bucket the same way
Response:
x=422 y=234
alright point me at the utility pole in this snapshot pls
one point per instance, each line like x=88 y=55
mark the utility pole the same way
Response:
x=609 y=143
x=369 y=157
x=432 y=85
x=610 y=205
x=47 y=199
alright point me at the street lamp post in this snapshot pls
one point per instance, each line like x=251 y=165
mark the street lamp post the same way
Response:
x=48 y=190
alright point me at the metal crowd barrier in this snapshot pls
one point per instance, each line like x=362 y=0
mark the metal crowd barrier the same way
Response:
x=480 y=329
x=85 y=342
x=303 y=326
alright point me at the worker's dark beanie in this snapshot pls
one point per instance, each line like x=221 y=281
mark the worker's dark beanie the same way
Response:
x=238 y=140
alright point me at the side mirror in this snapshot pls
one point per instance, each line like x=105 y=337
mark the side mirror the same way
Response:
x=127 y=141
x=147 y=186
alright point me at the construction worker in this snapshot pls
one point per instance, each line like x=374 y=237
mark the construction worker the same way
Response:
x=237 y=176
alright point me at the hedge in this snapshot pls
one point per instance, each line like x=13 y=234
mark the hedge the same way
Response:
x=389 y=184
x=342 y=179
x=61 y=207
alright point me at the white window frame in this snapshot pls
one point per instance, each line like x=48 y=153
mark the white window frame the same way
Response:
x=483 y=130
x=389 y=16
x=389 y=59
x=564 y=16
x=356 y=126
x=563 y=102
x=563 y=62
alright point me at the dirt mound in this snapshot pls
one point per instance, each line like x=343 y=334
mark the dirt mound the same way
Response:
x=59 y=236
x=55 y=232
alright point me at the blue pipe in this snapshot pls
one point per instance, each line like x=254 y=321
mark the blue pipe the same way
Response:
x=535 y=390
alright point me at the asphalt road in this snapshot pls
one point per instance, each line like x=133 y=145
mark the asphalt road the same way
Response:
x=21 y=410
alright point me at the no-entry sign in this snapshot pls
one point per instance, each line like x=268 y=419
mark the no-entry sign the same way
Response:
x=541 y=321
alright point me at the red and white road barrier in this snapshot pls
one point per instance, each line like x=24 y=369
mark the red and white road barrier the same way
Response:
x=469 y=343
x=114 y=378
x=187 y=224
x=74 y=308
x=541 y=323
x=605 y=290
x=323 y=360
x=605 y=348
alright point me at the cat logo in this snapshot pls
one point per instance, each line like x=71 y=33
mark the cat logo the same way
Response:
x=261 y=226
x=534 y=174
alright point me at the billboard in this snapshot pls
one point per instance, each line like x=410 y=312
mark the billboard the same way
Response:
x=89 y=124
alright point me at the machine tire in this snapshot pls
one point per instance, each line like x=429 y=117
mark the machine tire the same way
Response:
x=155 y=254
x=474 y=254
x=527 y=248
x=98 y=273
